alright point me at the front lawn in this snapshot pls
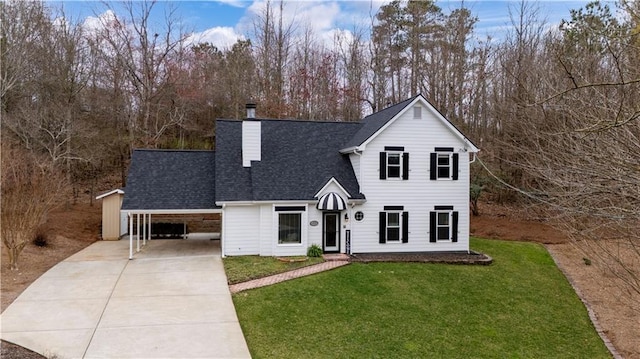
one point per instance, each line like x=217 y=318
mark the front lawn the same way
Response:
x=519 y=307
x=244 y=268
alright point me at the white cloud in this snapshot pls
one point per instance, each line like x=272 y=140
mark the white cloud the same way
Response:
x=321 y=17
x=94 y=24
x=222 y=37
x=234 y=3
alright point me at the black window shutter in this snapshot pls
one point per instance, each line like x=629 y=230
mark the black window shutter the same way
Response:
x=455 y=166
x=432 y=226
x=405 y=166
x=383 y=227
x=405 y=227
x=454 y=227
x=383 y=165
x=434 y=170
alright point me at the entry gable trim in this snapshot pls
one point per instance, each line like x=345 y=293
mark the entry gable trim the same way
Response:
x=329 y=182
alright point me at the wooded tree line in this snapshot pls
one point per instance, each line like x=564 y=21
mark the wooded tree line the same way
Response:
x=554 y=108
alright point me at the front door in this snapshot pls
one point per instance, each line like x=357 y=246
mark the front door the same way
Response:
x=331 y=233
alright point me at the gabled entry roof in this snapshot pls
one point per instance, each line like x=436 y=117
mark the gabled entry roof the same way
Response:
x=170 y=180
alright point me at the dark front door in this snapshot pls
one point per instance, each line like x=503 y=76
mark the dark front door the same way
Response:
x=331 y=235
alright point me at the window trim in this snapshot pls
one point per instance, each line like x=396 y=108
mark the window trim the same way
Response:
x=453 y=166
x=434 y=226
x=399 y=165
x=403 y=225
x=392 y=227
x=403 y=157
x=440 y=226
x=448 y=166
x=299 y=210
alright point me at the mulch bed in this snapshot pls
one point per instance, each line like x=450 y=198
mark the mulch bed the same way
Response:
x=471 y=257
x=12 y=351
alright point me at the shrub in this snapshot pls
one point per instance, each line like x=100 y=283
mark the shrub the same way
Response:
x=314 y=251
x=40 y=239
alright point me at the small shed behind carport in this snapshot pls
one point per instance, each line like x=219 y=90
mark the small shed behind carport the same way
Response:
x=114 y=223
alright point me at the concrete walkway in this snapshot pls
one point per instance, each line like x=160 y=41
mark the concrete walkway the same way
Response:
x=170 y=301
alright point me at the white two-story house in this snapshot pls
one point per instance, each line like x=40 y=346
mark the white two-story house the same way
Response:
x=397 y=181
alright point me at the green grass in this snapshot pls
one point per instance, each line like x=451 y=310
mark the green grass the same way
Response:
x=244 y=268
x=519 y=307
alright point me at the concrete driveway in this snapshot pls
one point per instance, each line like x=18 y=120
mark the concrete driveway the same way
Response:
x=170 y=301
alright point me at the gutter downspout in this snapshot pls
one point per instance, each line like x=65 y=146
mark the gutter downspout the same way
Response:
x=355 y=151
x=350 y=210
x=472 y=161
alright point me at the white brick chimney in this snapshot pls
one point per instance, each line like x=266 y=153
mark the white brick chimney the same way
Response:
x=251 y=137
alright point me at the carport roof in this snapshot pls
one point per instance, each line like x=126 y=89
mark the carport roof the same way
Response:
x=171 y=180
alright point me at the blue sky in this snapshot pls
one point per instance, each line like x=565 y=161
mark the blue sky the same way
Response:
x=221 y=22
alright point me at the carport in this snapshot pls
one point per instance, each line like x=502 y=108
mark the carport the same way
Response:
x=143 y=224
x=177 y=183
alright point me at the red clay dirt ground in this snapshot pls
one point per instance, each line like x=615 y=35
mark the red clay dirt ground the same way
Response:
x=75 y=227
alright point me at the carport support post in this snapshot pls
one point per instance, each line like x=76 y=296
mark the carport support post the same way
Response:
x=149 y=226
x=138 y=232
x=130 y=235
x=144 y=229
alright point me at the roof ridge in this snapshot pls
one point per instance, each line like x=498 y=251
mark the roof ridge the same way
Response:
x=170 y=150
x=293 y=120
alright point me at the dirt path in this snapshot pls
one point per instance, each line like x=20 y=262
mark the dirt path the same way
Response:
x=74 y=228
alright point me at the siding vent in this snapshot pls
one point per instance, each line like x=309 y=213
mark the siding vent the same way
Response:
x=417 y=112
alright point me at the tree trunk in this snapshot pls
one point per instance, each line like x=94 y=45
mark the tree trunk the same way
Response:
x=13 y=258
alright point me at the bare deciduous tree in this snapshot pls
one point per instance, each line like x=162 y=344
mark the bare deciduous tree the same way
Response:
x=29 y=190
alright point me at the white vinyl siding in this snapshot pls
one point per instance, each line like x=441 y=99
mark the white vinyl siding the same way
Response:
x=355 y=163
x=241 y=225
x=251 y=142
x=418 y=194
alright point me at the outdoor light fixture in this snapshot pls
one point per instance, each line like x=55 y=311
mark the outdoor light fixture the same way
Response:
x=346 y=217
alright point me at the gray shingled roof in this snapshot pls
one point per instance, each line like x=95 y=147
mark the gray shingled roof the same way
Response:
x=298 y=158
x=372 y=123
x=170 y=179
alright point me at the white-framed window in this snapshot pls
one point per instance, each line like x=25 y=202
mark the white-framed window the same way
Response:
x=394 y=163
x=289 y=221
x=443 y=224
x=444 y=164
x=394 y=225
